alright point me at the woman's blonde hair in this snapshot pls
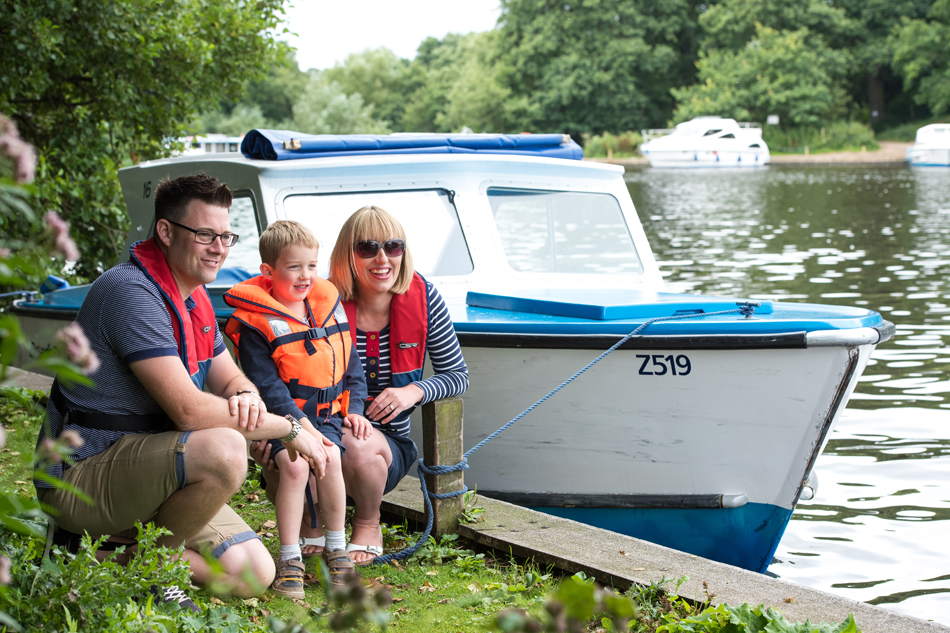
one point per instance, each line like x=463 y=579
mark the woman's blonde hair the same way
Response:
x=369 y=223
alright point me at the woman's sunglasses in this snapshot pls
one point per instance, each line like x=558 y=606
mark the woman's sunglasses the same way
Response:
x=368 y=249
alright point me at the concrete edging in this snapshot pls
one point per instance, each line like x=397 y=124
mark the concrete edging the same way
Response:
x=620 y=561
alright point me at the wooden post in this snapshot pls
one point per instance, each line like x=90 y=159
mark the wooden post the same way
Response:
x=442 y=445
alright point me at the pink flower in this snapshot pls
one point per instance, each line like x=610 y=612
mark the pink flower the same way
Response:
x=77 y=348
x=17 y=150
x=5 y=253
x=47 y=451
x=61 y=240
x=71 y=438
x=5 y=577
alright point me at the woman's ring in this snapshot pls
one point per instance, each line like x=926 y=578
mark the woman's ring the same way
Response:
x=392 y=408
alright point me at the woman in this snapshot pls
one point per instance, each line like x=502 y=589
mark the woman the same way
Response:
x=398 y=317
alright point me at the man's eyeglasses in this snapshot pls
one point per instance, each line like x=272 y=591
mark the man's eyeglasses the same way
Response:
x=368 y=249
x=208 y=237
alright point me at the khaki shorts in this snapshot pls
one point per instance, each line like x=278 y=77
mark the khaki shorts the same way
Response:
x=129 y=482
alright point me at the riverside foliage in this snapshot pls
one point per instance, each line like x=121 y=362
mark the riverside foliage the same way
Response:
x=96 y=85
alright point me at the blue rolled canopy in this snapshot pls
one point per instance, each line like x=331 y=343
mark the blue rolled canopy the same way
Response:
x=288 y=145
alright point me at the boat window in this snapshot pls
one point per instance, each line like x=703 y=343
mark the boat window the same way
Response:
x=428 y=216
x=244 y=254
x=711 y=132
x=563 y=232
x=730 y=135
x=756 y=145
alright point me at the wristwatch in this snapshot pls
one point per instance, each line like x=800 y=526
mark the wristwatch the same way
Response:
x=295 y=429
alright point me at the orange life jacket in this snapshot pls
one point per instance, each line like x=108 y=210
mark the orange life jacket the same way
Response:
x=311 y=361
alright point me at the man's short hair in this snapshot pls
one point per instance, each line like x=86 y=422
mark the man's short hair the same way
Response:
x=280 y=235
x=172 y=196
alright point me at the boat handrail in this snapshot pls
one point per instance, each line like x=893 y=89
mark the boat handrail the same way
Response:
x=749 y=124
x=649 y=135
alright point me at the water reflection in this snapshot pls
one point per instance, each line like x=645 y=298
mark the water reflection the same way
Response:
x=876 y=237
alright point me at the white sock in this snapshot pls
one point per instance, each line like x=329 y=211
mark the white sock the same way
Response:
x=290 y=551
x=335 y=539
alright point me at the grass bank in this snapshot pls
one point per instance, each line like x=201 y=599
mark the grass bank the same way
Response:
x=445 y=586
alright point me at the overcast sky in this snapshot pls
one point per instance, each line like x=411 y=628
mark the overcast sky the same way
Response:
x=327 y=31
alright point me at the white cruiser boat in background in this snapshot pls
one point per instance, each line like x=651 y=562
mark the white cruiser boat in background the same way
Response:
x=700 y=434
x=707 y=141
x=932 y=147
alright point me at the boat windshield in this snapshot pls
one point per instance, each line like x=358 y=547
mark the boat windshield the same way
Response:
x=563 y=232
x=245 y=254
x=428 y=217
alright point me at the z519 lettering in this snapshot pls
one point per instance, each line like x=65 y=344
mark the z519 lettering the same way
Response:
x=661 y=365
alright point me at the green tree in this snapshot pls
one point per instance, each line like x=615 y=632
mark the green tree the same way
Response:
x=96 y=84
x=324 y=108
x=243 y=118
x=432 y=74
x=598 y=65
x=278 y=90
x=786 y=73
x=860 y=27
x=922 y=56
x=732 y=24
x=873 y=80
x=382 y=79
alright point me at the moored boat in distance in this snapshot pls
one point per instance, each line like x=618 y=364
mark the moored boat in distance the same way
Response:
x=699 y=434
x=707 y=141
x=931 y=147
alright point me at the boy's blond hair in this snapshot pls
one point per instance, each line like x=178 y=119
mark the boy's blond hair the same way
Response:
x=368 y=223
x=280 y=235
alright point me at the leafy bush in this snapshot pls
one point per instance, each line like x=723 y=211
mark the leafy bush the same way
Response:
x=66 y=592
x=607 y=144
x=836 y=136
x=907 y=132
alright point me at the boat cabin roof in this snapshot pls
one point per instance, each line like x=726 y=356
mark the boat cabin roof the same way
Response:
x=934 y=131
x=487 y=219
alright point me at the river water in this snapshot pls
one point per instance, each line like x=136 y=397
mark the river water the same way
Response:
x=878 y=529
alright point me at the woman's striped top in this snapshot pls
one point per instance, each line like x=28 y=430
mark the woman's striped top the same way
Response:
x=451 y=374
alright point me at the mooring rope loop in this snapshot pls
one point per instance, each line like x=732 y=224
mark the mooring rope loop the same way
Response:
x=746 y=309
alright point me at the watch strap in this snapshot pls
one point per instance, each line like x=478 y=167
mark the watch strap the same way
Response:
x=295 y=428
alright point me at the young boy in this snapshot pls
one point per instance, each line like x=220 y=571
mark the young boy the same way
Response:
x=291 y=336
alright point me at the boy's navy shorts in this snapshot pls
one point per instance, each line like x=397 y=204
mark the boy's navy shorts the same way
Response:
x=331 y=428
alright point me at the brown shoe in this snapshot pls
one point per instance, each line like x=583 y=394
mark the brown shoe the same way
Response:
x=289 y=580
x=340 y=566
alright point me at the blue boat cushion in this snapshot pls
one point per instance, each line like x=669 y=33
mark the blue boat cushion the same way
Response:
x=606 y=305
x=288 y=145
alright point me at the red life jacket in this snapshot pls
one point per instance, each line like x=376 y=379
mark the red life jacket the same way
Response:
x=311 y=361
x=408 y=329
x=194 y=330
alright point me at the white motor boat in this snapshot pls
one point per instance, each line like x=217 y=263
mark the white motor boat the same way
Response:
x=932 y=147
x=699 y=434
x=707 y=141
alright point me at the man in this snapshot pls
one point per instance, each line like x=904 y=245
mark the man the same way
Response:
x=157 y=447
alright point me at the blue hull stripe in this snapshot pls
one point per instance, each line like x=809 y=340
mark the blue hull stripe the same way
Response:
x=744 y=537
